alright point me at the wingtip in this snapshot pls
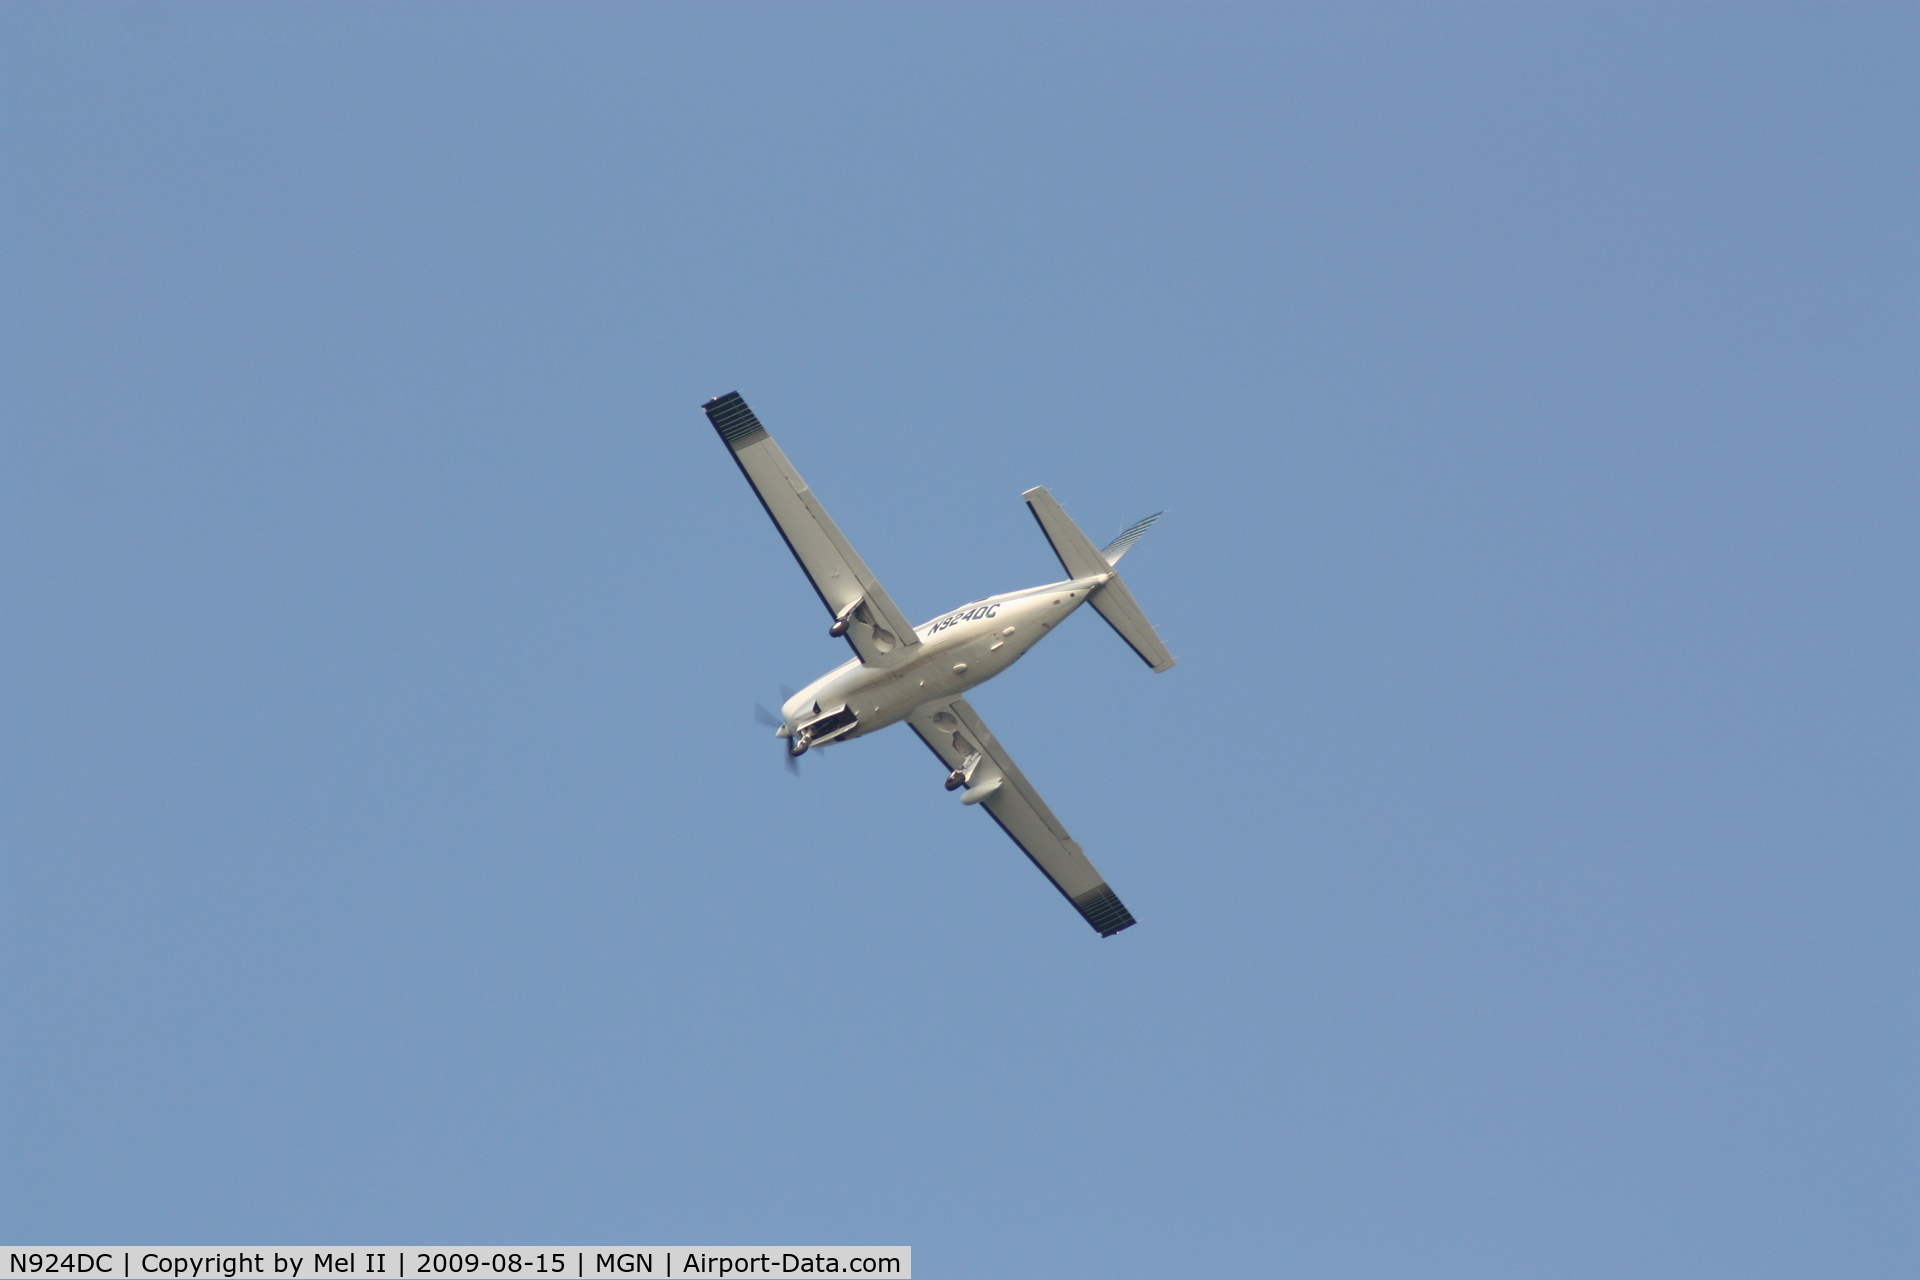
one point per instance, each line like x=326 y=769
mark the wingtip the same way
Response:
x=734 y=421
x=1101 y=907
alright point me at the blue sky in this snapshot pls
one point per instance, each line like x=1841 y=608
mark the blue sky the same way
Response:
x=1523 y=847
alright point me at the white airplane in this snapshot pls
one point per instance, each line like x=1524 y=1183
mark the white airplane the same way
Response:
x=918 y=674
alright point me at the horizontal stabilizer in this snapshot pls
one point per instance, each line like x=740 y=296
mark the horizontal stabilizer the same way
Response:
x=1117 y=606
x=1076 y=551
x=1078 y=556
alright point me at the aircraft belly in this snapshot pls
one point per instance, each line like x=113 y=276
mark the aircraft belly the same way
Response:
x=887 y=696
x=881 y=696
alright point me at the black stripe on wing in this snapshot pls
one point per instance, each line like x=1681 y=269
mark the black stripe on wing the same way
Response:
x=1104 y=911
x=733 y=420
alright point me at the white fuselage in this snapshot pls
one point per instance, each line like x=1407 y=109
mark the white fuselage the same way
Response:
x=957 y=651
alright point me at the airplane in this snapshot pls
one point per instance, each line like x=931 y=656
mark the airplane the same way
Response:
x=918 y=674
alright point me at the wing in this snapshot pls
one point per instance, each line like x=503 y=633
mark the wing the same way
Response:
x=961 y=740
x=875 y=627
